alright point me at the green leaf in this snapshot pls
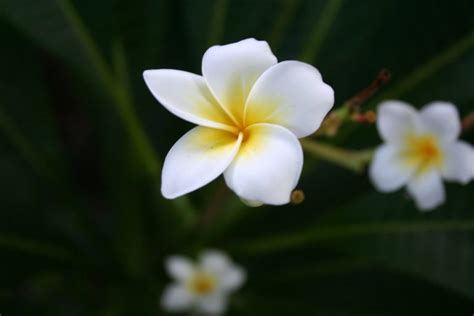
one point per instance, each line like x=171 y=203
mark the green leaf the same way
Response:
x=347 y=250
x=55 y=25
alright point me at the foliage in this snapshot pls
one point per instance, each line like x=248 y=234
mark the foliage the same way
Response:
x=83 y=228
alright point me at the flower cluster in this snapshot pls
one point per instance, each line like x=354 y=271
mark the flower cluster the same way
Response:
x=203 y=286
x=251 y=111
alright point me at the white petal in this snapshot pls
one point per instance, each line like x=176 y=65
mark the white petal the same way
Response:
x=231 y=70
x=442 y=119
x=268 y=165
x=187 y=96
x=472 y=165
x=214 y=261
x=387 y=170
x=179 y=267
x=212 y=305
x=176 y=298
x=233 y=278
x=291 y=94
x=427 y=189
x=218 y=263
x=458 y=162
x=396 y=119
x=196 y=159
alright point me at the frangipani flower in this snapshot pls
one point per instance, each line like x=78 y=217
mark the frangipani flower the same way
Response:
x=421 y=149
x=251 y=111
x=203 y=287
x=472 y=167
x=472 y=162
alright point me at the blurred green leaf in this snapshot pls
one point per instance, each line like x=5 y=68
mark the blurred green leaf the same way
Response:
x=56 y=25
x=346 y=250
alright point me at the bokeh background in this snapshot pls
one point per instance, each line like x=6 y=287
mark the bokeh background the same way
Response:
x=83 y=227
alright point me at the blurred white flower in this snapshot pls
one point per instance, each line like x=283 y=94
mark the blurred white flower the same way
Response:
x=472 y=164
x=251 y=111
x=421 y=149
x=203 y=287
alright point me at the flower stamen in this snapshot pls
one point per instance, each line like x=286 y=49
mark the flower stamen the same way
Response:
x=202 y=283
x=423 y=151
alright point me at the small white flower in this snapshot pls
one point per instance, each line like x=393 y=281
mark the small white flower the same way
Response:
x=251 y=111
x=472 y=164
x=421 y=149
x=203 y=287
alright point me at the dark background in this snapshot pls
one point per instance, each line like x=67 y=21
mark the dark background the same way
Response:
x=83 y=227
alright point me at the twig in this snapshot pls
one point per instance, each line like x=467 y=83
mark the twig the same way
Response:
x=350 y=109
x=215 y=205
x=356 y=101
x=468 y=122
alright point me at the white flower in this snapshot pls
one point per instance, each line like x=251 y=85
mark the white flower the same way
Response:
x=251 y=111
x=203 y=287
x=421 y=149
x=472 y=164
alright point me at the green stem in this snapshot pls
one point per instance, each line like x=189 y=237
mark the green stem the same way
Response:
x=118 y=91
x=353 y=160
x=320 y=31
x=121 y=68
x=217 y=23
x=36 y=248
x=88 y=43
x=286 y=14
x=21 y=144
x=114 y=88
x=186 y=209
x=123 y=100
x=322 y=234
x=429 y=68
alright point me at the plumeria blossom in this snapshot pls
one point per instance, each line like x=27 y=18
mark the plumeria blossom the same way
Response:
x=472 y=164
x=421 y=149
x=472 y=167
x=250 y=111
x=204 y=286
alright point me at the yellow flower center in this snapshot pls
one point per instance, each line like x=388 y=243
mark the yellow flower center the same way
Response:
x=202 y=283
x=423 y=151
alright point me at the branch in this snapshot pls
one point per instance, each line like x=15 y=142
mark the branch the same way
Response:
x=350 y=110
x=215 y=205
x=350 y=159
x=468 y=122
